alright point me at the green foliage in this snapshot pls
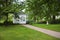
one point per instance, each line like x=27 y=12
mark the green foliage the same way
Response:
x=2 y=19
x=43 y=8
x=57 y=21
x=10 y=7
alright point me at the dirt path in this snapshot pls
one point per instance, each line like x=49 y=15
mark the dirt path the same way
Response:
x=49 y=32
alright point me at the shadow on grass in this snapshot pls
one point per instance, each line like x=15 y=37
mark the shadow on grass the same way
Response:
x=8 y=24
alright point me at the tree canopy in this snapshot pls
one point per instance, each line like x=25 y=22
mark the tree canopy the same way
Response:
x=10 y=7
x=47 y=9
x=36 y=9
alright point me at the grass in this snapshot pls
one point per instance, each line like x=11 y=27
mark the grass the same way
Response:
x=54 y=27
x=18 y=32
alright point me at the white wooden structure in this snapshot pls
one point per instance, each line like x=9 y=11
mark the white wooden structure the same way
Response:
x=21 y=19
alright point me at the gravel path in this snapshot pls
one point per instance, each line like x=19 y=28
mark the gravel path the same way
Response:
x=49 y=32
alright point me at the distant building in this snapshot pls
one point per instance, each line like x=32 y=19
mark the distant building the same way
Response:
x=21 y=19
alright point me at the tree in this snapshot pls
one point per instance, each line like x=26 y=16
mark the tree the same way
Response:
x=10 y=6
x=32 y=7
x=53 y=8
x=43 y=8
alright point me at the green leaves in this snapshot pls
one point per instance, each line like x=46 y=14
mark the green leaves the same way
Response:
x=43 y=8
x=10 y=6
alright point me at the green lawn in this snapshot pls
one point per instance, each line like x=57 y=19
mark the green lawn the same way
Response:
x=18 y=32
x=55 y=27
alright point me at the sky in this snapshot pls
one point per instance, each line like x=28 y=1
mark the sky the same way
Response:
x=21 y=0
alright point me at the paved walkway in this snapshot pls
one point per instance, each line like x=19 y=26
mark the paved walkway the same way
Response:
x=49 y=32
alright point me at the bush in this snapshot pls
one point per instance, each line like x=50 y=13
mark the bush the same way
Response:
x=8 y=22
x=42 y=22
x=57 y=21
x=30 y=22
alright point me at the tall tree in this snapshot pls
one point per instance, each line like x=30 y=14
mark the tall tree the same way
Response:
x=10 y=6
x=44 y=8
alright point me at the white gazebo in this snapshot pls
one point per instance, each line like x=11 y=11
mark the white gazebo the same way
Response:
x=21 y=19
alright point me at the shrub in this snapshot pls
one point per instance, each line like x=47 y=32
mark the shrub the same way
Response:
x=42 y=22
x=57 y=21
x=30 y=22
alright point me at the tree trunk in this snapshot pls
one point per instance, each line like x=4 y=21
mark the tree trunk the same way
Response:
x=7 y=17
x=6 y=14
x=6 y=21
x=54 y=19
x=35 y=19
x=47 y=22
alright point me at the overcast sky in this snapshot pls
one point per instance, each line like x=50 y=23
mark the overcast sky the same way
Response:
x=21 y=0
